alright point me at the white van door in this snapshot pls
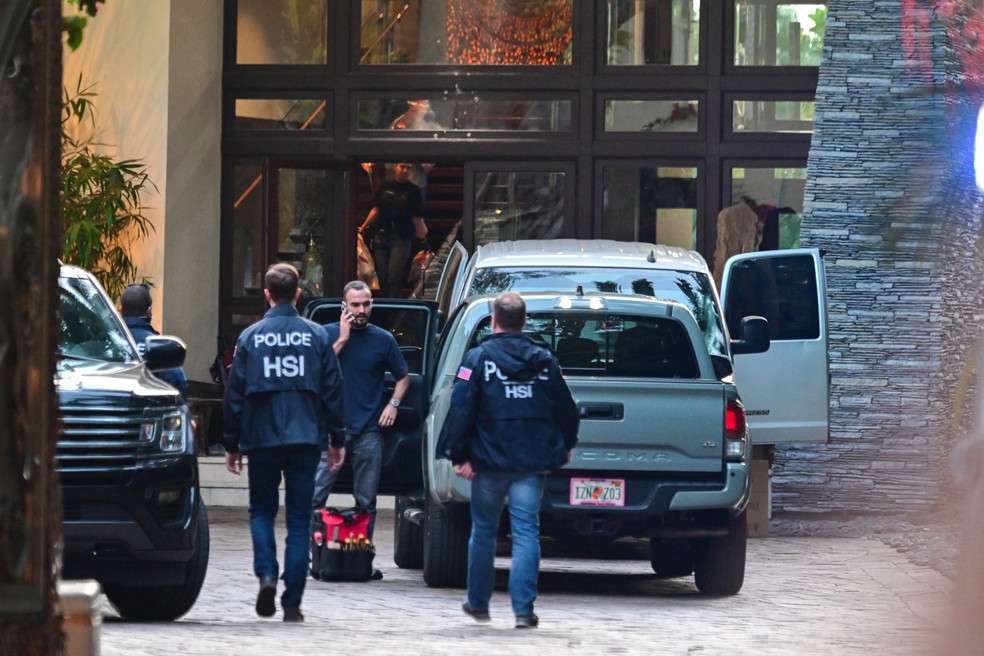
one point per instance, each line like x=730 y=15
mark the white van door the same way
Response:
x=785 y=390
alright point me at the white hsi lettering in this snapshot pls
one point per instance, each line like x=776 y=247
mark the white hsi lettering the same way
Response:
x=518 y=391
x=287 y=366
x=282 y=339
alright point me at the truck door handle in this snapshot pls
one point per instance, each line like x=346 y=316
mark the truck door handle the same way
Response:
x=600 y=410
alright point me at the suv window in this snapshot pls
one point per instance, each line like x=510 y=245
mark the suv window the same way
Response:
x=612 y=345
x=89 y=329
x=408 y=326
x=692 y=289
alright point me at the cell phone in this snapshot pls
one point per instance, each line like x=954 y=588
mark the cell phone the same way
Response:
x=344 y=306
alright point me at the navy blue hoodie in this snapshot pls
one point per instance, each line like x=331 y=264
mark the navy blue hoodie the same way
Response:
x=511 y=410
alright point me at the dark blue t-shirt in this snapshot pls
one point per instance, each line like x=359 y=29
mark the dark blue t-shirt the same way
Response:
x=366 y=357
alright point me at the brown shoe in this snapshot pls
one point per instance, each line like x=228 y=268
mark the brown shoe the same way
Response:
x=293 y=615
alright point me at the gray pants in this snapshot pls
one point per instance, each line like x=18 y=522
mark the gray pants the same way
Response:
x=390 y=252
x=365 y=452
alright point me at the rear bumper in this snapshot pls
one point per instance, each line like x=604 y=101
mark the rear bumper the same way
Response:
x=649 y=495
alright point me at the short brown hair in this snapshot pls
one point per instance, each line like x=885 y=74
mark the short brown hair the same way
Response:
x=281 y=281
x=509 y=310
x=358 y=286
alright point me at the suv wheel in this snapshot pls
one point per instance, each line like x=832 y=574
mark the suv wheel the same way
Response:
x=719 y=563
x=408 y=538
x=446 y=535
x=163 y=604
x=671 y=558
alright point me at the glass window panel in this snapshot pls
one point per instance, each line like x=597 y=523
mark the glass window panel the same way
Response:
x=772 y=116
x=248 y=253
x=783 y=290
x=774 y=33
x=652 y=32
x=282 y=32
x=651 y=115
x=303 y=205
x=650 y=204
x=776 y=197
x=280 y=114
x=610 y=345
x=518 y=205
x=464 y=32
x=408 y=325
x=439 y=115
x=693 y=289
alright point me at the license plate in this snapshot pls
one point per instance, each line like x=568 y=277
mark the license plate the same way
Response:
x=597 y=492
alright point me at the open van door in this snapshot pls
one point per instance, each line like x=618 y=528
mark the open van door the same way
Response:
x=448 y=293
x=414 y=325
x=786 y=389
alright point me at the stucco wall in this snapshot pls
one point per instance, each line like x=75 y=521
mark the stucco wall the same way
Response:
x=156 y=67
x=879 y=200
x=194 y=131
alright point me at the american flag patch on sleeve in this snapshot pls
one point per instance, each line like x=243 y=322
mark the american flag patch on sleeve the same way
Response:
x=464 y=373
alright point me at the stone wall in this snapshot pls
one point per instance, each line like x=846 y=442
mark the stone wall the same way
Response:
x=880 y=200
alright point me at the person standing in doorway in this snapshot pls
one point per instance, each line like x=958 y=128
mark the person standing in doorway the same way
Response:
x=283 y=404
x=135 y=305
x=512 y=419
x=396 y=218
x=365 y=353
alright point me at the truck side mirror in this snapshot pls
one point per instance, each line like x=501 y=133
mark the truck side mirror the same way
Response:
x=754 y=336
x=163 y=352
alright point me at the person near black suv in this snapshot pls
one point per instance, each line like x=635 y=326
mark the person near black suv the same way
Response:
x=133 y=515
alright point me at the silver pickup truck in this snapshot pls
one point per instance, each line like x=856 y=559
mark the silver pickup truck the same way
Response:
x=662 y=450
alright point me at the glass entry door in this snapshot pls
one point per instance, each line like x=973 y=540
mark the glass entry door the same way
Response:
x=505 y=201
x=282 y=212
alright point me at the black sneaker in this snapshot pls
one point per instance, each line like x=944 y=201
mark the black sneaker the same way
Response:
x=265 y=598
x=481 y=616
x=530 y=621
x=293 y=615
x=376 y=575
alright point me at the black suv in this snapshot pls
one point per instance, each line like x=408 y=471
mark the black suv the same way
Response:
x=133 y=515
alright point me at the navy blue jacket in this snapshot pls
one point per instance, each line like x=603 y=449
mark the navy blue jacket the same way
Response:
x=511 y=410
x=284 y=387
x=141 y=329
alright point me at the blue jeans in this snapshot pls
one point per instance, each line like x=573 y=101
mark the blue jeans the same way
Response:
x=297 y=464
x=365 y=452
x=488 y=493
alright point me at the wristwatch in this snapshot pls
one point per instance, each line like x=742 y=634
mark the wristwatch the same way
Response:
x=395 y=403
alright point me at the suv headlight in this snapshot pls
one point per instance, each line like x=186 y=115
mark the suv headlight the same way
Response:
x=175 y=427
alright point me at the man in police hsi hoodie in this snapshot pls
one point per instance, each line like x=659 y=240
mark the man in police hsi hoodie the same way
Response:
x=283 y=405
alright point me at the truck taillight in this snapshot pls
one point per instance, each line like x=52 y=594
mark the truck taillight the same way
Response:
x=734 y=430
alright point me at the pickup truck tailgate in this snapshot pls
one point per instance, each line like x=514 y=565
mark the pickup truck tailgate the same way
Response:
x=649 y=425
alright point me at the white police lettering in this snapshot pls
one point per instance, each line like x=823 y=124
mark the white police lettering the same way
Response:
x=513 y=389
x=518 y=391
x=287 y=366
x=282 y=339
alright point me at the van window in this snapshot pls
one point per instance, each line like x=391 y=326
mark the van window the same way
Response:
x=692 y=289
x=781 y=289
x=611 y=345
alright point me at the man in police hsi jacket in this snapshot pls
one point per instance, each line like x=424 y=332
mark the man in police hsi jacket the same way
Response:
x=512 y=419
x=283 y=405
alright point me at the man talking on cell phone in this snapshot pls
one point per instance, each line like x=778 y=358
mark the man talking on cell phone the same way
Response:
x=365 y=353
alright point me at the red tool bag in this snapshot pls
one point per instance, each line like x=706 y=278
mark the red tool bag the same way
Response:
x=339 y=548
